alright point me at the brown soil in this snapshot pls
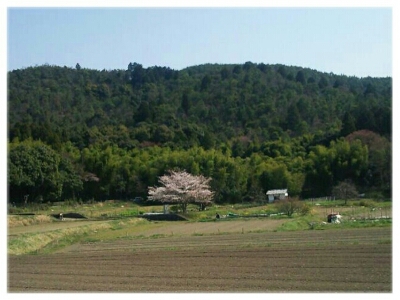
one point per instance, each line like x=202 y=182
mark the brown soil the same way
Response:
x=357 y=260
x=217 y=227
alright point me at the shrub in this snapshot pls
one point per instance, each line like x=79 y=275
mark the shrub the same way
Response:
x=367 y=203
x=173 y=208
x=305 y=209
x=290 y=206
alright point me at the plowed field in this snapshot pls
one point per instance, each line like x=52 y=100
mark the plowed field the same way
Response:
x=356 y=260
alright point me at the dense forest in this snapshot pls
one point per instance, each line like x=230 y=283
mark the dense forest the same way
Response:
x=83 y=134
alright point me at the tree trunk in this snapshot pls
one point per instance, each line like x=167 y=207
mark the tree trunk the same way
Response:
x=184 y=207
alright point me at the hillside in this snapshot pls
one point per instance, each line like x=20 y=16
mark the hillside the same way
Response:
x=236 y=111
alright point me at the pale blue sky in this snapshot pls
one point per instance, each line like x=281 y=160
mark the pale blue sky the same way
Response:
x=349 y=41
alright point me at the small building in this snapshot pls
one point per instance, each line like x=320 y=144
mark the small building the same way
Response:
x=277 y=195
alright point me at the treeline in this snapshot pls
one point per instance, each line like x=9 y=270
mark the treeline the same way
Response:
x=109 y=172
x=251 y=127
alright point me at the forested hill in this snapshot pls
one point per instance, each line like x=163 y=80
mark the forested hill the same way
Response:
x=202 y=105
x=238 y=110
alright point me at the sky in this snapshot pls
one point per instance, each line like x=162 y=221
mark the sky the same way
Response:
x=353 y=41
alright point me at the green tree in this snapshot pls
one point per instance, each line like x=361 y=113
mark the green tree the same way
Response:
x=205 y=82
x=71 y=181
x=379 y=170
x=319 y=177
x=348 y=160
x=282 y=71
x=163 y=134
x=37 y=170
x=207 y=141
x=348 y=124
x=323 y=82
x=293 y=118
x=274 y=176
x=144 y=113
x=33 y=171
x=185 y=103
x=224 y=73
x=300 y=77
x=137 y=74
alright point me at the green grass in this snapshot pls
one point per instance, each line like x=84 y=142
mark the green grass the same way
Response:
x=45 y=242
x=126 y=209
x=118 y=220
x=294 y=224
x=313 y=223
x=90 y=210
x=50 y=241
x=366 y=202
x=367 y=223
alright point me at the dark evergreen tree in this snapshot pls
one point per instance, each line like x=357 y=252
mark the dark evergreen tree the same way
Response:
x=323 y=82
x=293 y=118
x=205 y=82
x=348 y=124
x=185 y=102
x=300 y=77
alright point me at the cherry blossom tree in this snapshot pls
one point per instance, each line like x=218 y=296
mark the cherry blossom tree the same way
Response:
x=182 y=188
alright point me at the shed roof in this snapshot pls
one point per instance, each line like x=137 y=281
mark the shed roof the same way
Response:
x=277 y=192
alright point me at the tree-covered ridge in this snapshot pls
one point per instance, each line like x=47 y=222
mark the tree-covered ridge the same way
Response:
x=272 y=126
x=196 y=106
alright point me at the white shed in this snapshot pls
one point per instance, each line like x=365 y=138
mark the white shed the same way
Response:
x=277 y=195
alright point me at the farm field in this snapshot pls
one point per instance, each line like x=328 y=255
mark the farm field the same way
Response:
x=345 y=260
